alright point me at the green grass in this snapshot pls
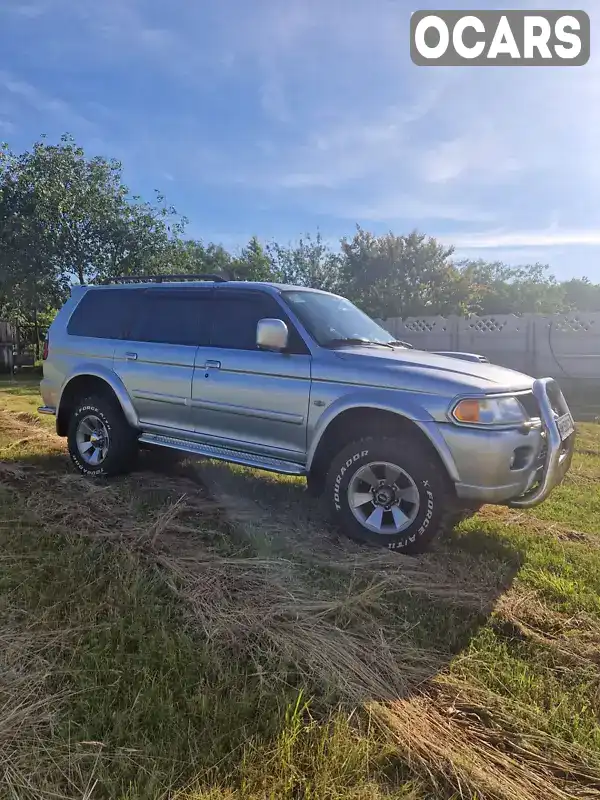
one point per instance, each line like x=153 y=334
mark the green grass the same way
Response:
x=198 y=632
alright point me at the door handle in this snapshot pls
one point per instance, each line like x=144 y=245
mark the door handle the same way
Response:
x=131 y=356
x=210 y=364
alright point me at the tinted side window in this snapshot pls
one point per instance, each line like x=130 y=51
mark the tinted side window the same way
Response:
x=173 y=318
x=236 y=318
x=102 y=314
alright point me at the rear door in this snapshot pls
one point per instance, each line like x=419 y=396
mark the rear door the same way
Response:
x=95 y=325
x=247 y=398
x=156 y=362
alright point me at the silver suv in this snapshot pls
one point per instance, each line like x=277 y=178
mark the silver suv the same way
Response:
x=300 y=382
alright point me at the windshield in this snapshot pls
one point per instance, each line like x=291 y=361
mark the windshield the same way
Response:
x=329 y=318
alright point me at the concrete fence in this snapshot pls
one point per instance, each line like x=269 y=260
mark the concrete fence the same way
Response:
x=561 y=346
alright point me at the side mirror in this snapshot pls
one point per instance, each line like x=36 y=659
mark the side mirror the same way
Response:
x=272 y=334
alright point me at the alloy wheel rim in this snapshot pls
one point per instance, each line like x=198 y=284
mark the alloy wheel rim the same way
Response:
x=93 y=440
x=383 y=498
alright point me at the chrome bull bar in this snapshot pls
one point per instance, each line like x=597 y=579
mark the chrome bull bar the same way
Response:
x=559 y=452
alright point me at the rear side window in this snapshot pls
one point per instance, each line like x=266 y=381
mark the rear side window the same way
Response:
x=173 y=317
x=102 y=314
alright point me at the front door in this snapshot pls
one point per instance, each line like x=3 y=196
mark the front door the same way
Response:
x=245 y=398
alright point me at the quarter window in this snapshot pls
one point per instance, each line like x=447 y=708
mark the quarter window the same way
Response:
x=102 y=314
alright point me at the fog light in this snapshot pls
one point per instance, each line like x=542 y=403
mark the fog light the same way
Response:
x=520 y=458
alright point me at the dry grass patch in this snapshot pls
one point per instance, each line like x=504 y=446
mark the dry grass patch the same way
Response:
x=461 y=737
x=205 y=635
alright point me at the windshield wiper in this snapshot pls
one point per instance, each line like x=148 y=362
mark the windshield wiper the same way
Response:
x=350 y=340
x=400 y=343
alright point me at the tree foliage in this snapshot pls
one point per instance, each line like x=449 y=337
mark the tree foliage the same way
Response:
x=400 y=275
x=580 y=294
x=308 y=263
x=65 y=218
x=30 y=284
x=496 y=288
x=68 y=218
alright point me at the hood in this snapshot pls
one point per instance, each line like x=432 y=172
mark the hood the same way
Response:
x=436 y=373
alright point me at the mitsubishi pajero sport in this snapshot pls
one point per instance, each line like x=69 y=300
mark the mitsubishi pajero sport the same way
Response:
x=299 y=381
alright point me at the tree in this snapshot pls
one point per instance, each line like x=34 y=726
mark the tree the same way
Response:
x=30 y=286
x=252 y=264
x=139 y=238
x=309 y=263
x=496 y=288
x=91 y=225
x=580 y=294
x=66 y=217
x=193 y=257
x=391 y=275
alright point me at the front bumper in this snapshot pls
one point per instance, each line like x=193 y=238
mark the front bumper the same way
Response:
x=558 y=453
x=482 y=458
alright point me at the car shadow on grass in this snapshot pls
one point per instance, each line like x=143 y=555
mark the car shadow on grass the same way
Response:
x=438 y=600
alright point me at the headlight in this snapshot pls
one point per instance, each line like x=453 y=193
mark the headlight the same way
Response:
x=489 y=411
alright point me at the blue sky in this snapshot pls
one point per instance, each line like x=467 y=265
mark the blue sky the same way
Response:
x=278 y=117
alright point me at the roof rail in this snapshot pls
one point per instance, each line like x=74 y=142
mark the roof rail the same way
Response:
x=165 y=278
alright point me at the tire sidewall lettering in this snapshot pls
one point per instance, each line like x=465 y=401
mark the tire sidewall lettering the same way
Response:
x=338 y=479
x=93 y=409
x=411 y=538
x=86 y=471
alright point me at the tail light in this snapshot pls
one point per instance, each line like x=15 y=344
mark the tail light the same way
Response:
x=45 y=351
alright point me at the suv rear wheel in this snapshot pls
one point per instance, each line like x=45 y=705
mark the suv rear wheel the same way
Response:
x=101 y=442
x=387 y=492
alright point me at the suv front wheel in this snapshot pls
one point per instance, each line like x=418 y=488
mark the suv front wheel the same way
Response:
x=387 y=492
x=101 y=442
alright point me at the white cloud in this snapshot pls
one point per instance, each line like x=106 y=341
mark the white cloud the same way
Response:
x=405 y=209
x=41 y=102
x=479 y=154
x=344 y=151
x=549 y=237
x=509 y=255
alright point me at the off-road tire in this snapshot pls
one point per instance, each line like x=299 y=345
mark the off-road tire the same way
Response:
x=123 y=446
x=427 y=475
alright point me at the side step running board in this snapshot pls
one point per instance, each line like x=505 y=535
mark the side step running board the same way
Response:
x=225 y=454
